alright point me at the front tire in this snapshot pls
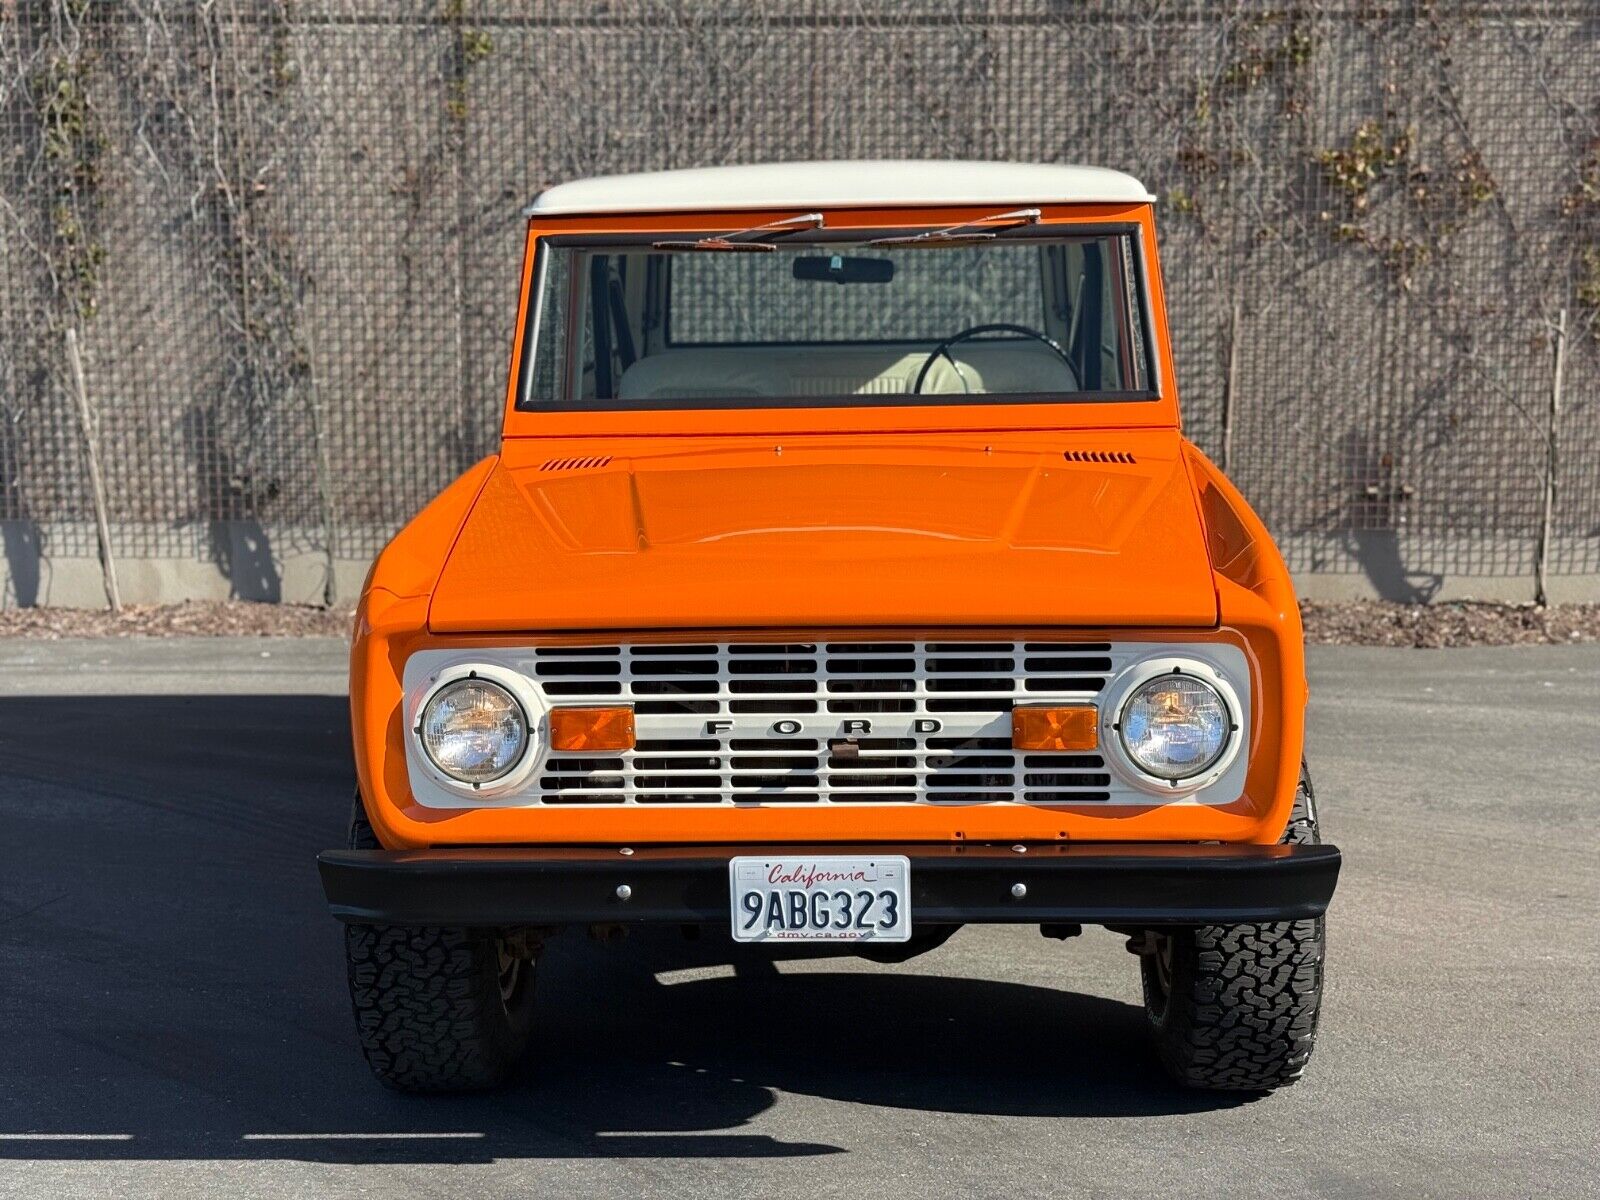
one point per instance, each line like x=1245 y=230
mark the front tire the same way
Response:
x=438 y=1009
x=1235 y=1007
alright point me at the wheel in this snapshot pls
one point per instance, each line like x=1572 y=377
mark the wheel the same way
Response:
x=437 y=1009
x=361 y=836
x=1234 y=1007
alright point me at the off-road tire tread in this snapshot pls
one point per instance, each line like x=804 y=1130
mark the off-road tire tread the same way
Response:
x=427 y=1001
x=1246 y=998
x=428 y=1008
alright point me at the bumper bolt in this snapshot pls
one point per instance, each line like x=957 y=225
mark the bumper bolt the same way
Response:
x=1018 y=890
x=624 y=892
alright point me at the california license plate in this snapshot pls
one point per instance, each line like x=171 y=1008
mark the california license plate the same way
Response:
x=829 y=899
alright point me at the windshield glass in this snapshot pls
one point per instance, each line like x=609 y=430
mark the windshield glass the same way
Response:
x=875 y=321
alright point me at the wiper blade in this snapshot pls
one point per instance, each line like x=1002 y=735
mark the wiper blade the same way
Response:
x=724 y=241
x=967 y=231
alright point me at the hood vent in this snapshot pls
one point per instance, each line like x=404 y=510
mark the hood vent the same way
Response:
x=1098 y=456
x=591 y=463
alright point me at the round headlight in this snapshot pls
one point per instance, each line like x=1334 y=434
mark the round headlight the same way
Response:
x=1175 y=726
x=473 y=730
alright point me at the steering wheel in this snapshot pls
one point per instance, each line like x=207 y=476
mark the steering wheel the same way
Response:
x=942 y=350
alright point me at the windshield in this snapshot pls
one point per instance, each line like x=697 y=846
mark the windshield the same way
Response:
x=879 y=320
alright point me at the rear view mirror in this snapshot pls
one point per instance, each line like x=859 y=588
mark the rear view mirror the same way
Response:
x=835 y=268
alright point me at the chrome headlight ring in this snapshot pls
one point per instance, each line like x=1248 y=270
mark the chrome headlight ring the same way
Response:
x=1121 y=690
x=534 y=712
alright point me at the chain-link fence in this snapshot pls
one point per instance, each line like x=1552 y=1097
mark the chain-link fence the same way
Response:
x=284 y=235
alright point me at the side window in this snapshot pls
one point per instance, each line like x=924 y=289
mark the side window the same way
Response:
x=1136 y=375
x=1113 y=329
x=550 y=339
x=583 y=384
x=1087 y=289
x=1099 y=300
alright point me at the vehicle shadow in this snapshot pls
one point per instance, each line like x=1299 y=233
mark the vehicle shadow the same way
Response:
x=173 y=985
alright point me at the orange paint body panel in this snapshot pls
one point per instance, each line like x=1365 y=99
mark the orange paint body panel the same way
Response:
x=930 y=530
x=947 y=521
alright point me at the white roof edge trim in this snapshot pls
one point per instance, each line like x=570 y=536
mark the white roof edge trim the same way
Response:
x=878 y=183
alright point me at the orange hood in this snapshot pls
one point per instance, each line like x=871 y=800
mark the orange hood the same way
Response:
x=921 y=531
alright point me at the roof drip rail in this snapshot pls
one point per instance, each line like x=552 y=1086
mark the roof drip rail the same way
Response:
x=967 y=231
x=724 y=241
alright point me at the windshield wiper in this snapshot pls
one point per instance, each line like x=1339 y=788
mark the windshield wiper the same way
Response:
x=967 y=231
x=724 y=241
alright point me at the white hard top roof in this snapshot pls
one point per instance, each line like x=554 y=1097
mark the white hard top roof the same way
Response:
x=840 y=185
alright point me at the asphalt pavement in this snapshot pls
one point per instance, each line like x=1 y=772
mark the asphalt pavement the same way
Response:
x=173 y=1020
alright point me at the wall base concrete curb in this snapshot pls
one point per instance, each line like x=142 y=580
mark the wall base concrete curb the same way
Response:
x=244 y=560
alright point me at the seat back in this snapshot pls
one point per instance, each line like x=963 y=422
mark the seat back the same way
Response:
x=731 y=372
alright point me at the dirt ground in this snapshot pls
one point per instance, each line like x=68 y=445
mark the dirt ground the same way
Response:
x=1354 y=623
x=233 y=618
x=1436 y=626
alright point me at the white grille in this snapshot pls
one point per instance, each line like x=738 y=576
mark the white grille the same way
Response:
x=730 y=722
x=816 y=723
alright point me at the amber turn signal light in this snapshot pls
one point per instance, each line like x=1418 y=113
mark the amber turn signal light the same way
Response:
x=1072 y=727
x=591 y=729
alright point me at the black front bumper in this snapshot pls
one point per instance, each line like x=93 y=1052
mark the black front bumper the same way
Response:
x=1096 y=884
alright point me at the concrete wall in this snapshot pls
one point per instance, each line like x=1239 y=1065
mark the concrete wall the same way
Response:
x=286 y=237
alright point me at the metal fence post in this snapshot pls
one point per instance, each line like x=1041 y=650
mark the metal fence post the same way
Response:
x=1542 y=565
x=1229 y=395
x=96 y=484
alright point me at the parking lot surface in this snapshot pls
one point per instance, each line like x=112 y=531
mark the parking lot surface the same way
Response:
x=173 y=1019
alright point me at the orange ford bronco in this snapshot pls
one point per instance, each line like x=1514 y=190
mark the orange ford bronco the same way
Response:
x=842 y=576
